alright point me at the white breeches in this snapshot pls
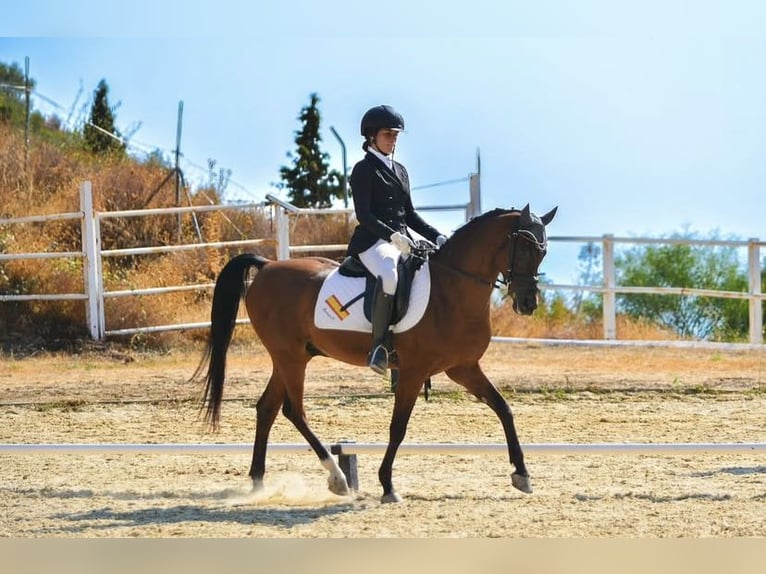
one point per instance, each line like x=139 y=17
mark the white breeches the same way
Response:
x=381 y=260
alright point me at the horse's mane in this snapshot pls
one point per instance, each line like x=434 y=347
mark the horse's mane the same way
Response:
x=479 y=219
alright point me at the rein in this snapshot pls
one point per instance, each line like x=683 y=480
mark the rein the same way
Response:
x=425 y=248
x=496 y=284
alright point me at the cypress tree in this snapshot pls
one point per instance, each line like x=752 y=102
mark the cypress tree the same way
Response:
x=102 y=116
x=309 y=181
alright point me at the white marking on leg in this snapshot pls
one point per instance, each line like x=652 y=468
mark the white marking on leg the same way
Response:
x=336 y=482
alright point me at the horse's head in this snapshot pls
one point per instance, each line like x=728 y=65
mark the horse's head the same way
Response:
x=528 y=246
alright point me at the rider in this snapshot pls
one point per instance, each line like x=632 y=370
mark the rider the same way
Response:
x=383 y=208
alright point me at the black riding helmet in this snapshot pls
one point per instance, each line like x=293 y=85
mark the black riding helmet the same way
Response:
x=381 y=117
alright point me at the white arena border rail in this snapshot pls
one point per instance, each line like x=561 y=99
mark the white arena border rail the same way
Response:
x=347 y=451
x=353 y=448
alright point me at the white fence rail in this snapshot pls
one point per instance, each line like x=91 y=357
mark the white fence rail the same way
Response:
x=610 y=289
x=94 y=293
x=92 y=254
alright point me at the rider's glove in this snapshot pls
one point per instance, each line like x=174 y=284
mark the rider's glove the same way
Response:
x=441 y=240
x=402 y=242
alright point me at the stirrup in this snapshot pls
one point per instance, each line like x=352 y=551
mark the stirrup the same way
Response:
x=378 y=360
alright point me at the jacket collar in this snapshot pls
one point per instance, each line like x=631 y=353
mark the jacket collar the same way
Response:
x=377 y=162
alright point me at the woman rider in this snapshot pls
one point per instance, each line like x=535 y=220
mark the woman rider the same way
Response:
x=383 y=208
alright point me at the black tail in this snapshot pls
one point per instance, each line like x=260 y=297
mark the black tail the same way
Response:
x=229 y=289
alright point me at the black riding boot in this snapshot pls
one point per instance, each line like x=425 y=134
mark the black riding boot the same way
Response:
x=382 y=304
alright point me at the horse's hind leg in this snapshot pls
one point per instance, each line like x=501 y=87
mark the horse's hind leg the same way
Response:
x=292 y=408
x=476 y=382
x=266 y=410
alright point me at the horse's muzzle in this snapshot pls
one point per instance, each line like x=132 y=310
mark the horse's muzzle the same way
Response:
x=525 y=298
x=526 y=304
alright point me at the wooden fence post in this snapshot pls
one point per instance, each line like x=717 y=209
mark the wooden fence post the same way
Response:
x=90 y=253
x=283 y=233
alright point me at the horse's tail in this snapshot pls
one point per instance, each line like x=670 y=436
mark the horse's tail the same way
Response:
x=229 y=289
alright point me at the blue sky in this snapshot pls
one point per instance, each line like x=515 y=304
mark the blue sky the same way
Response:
x=635 y=118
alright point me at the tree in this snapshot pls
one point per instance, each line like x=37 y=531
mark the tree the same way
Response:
x=101 y=135
x=12 y=106
x=690 y=266
x=589 y=264
x=310 y=182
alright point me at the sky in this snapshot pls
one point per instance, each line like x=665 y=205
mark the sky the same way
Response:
x=634 y=118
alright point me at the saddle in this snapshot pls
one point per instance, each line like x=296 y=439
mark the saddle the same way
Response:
x=406 y=267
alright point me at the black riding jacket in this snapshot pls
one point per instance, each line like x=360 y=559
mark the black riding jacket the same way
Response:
x=383 y=204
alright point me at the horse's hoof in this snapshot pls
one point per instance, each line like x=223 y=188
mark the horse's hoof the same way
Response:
x=257 y=486
x=390 y=497
x=521 y=482
x=338 y=485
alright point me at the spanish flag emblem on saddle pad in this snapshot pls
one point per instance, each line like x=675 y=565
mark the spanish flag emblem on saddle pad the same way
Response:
x=337 y=307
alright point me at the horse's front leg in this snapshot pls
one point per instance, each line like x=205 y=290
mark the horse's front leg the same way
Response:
x=294 y=411
x=336 y=480
x=407 y=390
x=476 y=382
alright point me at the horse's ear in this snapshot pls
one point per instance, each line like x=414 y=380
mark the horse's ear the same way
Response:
x=548 y=217
x=525 y=214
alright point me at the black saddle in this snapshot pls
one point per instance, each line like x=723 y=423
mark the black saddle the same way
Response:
x=407 y=267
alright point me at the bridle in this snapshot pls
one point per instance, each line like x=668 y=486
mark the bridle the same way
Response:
x=513 y=282
x=528 y=236
x=517 y=283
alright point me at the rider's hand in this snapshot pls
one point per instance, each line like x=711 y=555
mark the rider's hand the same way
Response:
x=441 y=240
x=402 y=242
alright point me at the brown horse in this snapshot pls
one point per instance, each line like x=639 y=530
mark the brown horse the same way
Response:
x=451 y=337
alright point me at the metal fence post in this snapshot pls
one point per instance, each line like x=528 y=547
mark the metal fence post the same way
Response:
x=473 y=209
x=90 y=253
x=610 y=321
x=754 y=280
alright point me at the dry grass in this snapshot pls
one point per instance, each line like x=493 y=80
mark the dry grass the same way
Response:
x=51 y=185
x=507 y=323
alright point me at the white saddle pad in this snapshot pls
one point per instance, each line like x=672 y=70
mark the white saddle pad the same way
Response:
x=337 y=290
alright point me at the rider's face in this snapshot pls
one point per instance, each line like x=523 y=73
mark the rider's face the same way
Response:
x=385 y=141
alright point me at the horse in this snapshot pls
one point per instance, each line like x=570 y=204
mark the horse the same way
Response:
x=499 y=246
